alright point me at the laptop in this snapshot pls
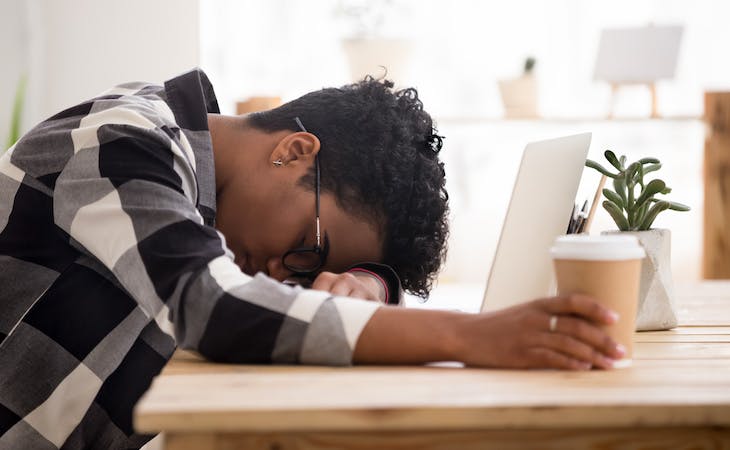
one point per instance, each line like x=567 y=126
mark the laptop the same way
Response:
x=539 y=210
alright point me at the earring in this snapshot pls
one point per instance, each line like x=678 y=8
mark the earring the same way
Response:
x=278 y=162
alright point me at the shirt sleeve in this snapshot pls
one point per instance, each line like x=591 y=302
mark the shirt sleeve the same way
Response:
x=127 y=197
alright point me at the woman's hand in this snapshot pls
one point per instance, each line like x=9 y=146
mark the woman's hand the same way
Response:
x=350 y=285
x=521 y=337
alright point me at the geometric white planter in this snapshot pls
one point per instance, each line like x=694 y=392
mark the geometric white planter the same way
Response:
x=657 y=309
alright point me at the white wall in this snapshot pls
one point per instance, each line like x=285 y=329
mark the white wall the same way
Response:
x=74 y=49
x=461 y=48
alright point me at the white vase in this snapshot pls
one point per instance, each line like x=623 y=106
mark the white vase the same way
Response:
x=519 y=96
x=657 y=309
x=376 y=56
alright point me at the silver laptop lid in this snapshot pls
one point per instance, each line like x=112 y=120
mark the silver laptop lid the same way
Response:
x=538 y=212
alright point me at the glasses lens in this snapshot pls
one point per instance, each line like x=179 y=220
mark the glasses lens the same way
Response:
x=302 y=261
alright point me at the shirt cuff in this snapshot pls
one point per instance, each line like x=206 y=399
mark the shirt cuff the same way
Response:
x=386 y=275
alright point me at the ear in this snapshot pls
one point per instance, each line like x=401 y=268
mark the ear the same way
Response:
x=296 y=148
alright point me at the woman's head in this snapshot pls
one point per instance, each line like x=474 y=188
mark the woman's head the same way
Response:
x=378 y=151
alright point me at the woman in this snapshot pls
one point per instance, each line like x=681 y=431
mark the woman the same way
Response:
x=143 y=220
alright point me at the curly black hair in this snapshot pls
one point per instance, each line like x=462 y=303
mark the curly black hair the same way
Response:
x=379 y=157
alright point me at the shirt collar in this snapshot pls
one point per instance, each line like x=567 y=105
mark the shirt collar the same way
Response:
x=191 y=98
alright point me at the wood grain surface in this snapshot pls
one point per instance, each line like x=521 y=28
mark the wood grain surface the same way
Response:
x=676 y=395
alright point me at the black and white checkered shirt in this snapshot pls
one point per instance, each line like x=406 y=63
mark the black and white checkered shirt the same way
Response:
x=109 y=261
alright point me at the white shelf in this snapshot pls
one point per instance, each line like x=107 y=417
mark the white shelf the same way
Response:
x=563 y=120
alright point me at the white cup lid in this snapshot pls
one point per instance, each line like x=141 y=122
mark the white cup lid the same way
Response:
x=597 y=248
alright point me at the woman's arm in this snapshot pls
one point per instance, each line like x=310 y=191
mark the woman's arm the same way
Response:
x=517 y=337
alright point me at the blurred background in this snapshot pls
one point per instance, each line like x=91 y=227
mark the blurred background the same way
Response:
x=462 y=55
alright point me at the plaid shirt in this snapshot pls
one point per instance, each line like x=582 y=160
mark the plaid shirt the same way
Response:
x=109 y=261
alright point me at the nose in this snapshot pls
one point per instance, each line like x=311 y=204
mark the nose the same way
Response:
x=276 y=270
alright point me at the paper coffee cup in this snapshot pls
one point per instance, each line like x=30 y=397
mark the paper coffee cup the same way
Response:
x=607 y=268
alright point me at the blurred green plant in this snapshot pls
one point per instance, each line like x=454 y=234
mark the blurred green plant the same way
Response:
x=16 y=116
x=366 y=18
x=630 y=211
x=529 y=65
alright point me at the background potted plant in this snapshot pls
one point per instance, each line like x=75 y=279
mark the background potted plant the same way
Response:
x=519 y=95
x=16 y=115
x=633 y=206
x=370 y=39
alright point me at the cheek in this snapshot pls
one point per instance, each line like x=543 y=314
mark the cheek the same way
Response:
x=261 y=230
x=266 y=224
x=279 y=230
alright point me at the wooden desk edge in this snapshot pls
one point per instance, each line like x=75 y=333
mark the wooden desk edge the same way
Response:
x=401 y=419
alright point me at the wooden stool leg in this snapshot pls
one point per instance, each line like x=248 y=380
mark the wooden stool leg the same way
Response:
x=614 y=96
x=654 y=110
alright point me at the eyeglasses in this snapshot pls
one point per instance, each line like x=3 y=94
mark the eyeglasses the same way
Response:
x=305 y=261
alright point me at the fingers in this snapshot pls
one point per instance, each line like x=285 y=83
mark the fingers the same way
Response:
x=580 y=305
x=323 y=282
x=343 y=284
x=575 y=349
x=556 y=333
x=591 y=335
x=373 y=284
x=577 y=340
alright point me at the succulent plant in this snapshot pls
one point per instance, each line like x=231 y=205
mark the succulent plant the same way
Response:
x=630 y=211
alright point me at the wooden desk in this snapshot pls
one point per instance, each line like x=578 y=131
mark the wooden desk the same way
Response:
x=677 y=395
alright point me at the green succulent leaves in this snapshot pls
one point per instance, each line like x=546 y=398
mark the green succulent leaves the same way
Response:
x=650 y=190
x=594 y=165
x=611 y=157
x=616 y=214
x=613 y=197
x=630 y=211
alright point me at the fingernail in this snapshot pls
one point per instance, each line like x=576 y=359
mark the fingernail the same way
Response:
x=607 y=363
x=613 y=315
x=620 y=349
x=586 y=366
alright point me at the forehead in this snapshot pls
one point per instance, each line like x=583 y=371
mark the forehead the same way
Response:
x=352 y=239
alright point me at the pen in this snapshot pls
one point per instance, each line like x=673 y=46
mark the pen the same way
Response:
x=581 y=218
x=581 y=221
x=571 y=222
